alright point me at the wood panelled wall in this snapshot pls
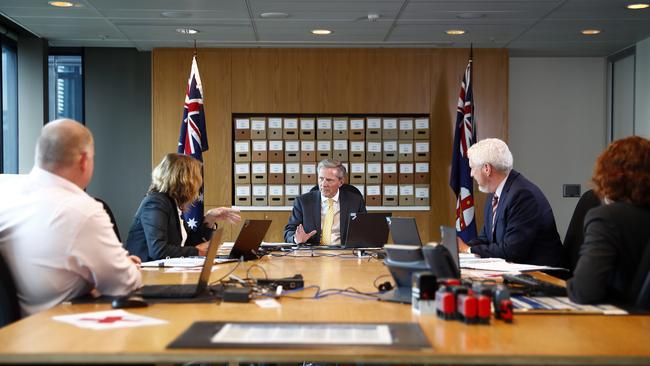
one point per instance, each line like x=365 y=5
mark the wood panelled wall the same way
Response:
x=323 y=81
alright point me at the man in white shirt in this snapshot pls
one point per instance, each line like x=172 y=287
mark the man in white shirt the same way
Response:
x=58 y=241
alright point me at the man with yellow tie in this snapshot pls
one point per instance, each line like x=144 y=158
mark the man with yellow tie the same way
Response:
x=320 y=217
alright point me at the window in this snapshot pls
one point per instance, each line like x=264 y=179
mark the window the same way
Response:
x=65 y=87
x=9 y=119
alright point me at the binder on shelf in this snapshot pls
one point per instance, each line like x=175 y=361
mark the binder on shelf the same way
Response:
x=276 y=195
x=242 y=151
x=292 y=150
x=324 y=128
x=406 y=195
x=422 y=151
x=259 y=150
x=275 y=128
x=389 y=173
x=390 y=196
x=291 y=191
x=373 y=151
x=357 y=173
x=276 y=151
x=357 y=152
x=421 y=129
x=373 y=129
x=421 y=195
x=242 y=129
x=340 y=128
x=307 y=151
x=405 y=129
x=390 y=151
x=258 y=128
x=421 y=175
x=242 y=194
x=373 y=173
x=323 y=149
x=259 y=195
x=361 y=188
x=340 y=150
x=357 y=129
x=373 y=195
x=308 y=173
x=405 y=173
x=242 y=173
x=292 y=173
x=307 y=129
x=276 y=173
x=405 y=151
x=290 y=128
x=389 y=129
x=258 y=173
x=305 y=188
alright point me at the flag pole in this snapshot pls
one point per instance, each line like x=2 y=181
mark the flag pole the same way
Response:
x=195 y=47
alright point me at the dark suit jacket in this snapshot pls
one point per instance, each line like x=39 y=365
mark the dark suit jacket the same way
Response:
x=616 y=236
x=156 y=230
x=525 y=229
x=307 y=209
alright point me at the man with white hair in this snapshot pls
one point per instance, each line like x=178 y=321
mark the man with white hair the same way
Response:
x=58 y=241
x=518 y=224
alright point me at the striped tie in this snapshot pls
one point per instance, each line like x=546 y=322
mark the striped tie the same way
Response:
x=326 y=238
x=495 y=203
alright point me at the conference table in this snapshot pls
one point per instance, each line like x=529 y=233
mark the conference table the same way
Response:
x=530 y=340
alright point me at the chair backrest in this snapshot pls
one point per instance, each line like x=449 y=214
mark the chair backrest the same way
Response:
x=641 y=282
x=575 y=232
x=9 y=307
x=110 y=215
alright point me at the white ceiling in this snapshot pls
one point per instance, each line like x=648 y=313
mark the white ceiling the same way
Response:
x=525 y=27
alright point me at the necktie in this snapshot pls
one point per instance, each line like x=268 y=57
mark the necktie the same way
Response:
x=326 y=238
x=495 y=203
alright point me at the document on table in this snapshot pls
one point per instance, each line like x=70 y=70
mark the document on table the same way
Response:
x=500 y=265
x=561 y=304
x=184 y=262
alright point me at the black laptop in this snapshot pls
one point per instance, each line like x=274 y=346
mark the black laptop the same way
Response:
x=404 y=230
x=448 y=235
x=186 y=291
x=248 y=241
x=367 y=230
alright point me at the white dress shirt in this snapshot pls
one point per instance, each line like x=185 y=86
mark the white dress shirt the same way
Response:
x=59 y=243
x=336 y=224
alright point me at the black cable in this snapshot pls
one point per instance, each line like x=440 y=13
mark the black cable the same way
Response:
x=227 y=274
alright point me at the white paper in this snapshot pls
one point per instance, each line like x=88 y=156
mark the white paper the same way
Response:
x=356 y=124
x=259 y=168
x=406 y=168
x=390 y=124
x=374 y=147
x=324 y=146
x=259 y=190
x=421 y=167
x=373 y=123
x=242 y=124
x=292 y=190
x=291 y=123
x=357 y=167
x=275 y=122
x=405 y=124
x=241 y=191
x=357 y=146
x=292 y=146
x=307 y=145
x=406 y=190
x=390 y=146
x=406 y=148
x=373 y=190
x=110 y=319
x=306 y=123
x=340 y=145
x=308 y=168
x=421 y=147
x=390 y=190
x=276 y=168
x=258 y=125
x=324 y=124
x=242 y=146
x=421 y=192
x=275 y=190
x=422 y=123
x=340 y=124
x=390 y=168
x=267 y=303
x=293 y=168
x=242 y=168
x=259 y=145
x=275 y=145
x=373 y=168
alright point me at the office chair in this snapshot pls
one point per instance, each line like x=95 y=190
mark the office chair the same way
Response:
x=110 y=215
x=9 y=307
x=642 y=281
x=575 y=232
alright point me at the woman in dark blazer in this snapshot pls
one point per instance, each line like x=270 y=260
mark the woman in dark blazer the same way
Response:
x=617 y=234
x=158 y=230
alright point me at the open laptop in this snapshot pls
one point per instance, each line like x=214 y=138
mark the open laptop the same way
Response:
x=404 y=230
x=186 y=291
x=367 y=230
x=247 y=243
x=449 y=241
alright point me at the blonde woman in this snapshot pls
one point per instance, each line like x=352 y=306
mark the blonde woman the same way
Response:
x=158 y=230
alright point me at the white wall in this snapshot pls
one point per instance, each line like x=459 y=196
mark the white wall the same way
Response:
x=557 y=124
x=642 y=89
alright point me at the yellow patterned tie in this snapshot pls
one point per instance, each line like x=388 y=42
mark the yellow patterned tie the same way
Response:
x=326 y=238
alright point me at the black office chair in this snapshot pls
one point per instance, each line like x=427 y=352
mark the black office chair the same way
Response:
x=9 y=307
x=575 y=232
x=110 y=215
x=641 y=283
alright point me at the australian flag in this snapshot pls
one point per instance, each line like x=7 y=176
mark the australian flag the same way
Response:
x=193 y=138
x=460 y=179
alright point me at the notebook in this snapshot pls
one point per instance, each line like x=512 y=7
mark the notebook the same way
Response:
x=404 y=230
x=367 y=230
x=186 y=291
x=247 y=243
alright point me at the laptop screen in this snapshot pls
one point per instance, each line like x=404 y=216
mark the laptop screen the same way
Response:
x=449 y=241
x=367 y=230
x=209 y=260
x=404 y=230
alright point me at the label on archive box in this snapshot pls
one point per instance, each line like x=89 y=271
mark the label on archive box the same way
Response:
x=275 y=122
x=390 y=190
x=406 y=190
x=305 y=188
x=243 y=190
x=241 y=146
x=390 y=146
x=259 y=145
x=259 y=168
x=324 y=123
x=374 y=168
x=258 y=125
x=374 y=146
x=306 y=124
x=340 y=124
x=275 y=190
x=308 y=168
x=275 y=145
x=356 y=146
x=421 y=147
x=292 y=145
x=325 y=145
x=259 y=190
x=422 y=123
x=390 y=168
x=405 y=124
x=356 y=124
x=276 y=168
x=374 y=123
x=242 y=168
x=346 y=166
x=242 y=123
x=373 y=190
x=390 y=124
x=361 y=188
x=293 y=168
x=357 y=167
x=340 y=145
x=421 y=167
x=406 y=148
x=307 y=145
x=421 y=192
x=292 y=190
x=291 y=123
x=406 y=168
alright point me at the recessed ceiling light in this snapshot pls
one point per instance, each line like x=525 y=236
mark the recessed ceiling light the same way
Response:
x=176 y=14
x=455 y=32
x=186 y=31
x=590 y=32
x=61 y=4
x=638 y=6
x=274 y=15
x=321 y=32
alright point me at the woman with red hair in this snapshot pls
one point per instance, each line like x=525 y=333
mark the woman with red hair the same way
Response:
x=617 y=234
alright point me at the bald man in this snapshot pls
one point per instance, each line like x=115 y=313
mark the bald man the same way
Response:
x=58 y=241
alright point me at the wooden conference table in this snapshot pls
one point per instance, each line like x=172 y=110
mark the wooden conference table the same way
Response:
x=531 y=339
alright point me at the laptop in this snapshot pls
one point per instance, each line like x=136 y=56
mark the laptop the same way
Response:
x=248 y=241
x=367 y=230
x=404 y=230
x=186 y=291
x=449 y=241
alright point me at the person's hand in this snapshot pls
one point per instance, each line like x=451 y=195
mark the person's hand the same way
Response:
x=301 y=236
x=203 y=248
x=222 y=213
x=135 y=259
x=462 y=247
